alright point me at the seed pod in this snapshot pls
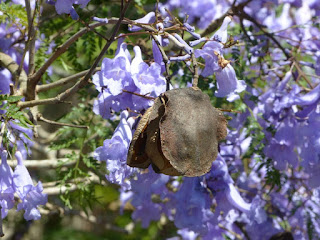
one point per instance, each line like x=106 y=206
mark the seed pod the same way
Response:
x=179 y=134
x=136 y=154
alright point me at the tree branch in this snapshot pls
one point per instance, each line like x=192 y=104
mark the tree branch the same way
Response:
x=41 y=118
x=3 y=128
x=63 y=81
x=45 y=163
x=31 y=36
x=84 y=80
x=195 y=70
x=62 y=48
x=72 y=186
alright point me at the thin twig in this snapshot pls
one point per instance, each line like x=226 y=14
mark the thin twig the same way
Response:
x=165 y=60
x=2 y=132
x=214 y=25
x=301 y=73
x=93 y=30
x=41 y=118
x=72 y=186
x=59 y=50
x=236 y=235
x=45 y=163
x=132 y=34
x=242 y=229
x=228 y=110
x=63 y=81
x=31 y=36
x=145 y=26
x=195 y=70
x=140 y=95
x=62 y=48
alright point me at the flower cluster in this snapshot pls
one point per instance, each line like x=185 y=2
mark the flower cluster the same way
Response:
x=274 y=139
x=19 y=182
x=266 y=178
x=123 y=83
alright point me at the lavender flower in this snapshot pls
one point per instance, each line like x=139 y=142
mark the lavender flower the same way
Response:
x=6 y=187
x=119 y=79
x=30 y=195
x=114 y=151
x=221 y=34
x=228 y=84
x=211 y=59
x=66 y=6
x=149 y=18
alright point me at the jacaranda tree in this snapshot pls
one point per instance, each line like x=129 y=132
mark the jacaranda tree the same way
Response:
x=160 y=119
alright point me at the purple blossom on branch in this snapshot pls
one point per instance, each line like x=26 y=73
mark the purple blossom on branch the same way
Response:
x=6 y=187
x=30 y=195
x=114 y=151
x=120 y=80
x=66 y=6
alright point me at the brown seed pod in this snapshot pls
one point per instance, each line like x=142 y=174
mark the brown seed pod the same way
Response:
x=136 y=154
x=179 y=134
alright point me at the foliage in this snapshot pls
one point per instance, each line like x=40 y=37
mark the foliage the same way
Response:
x=258 y=61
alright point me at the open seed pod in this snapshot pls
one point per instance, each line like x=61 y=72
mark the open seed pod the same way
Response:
x=179 y=134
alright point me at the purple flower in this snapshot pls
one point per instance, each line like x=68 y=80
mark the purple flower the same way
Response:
x=185 y=45
x=148 y=79
x=146 y=213
x=114 y=77
x=187 y=234
x=119 y=81
x=149 y=18
x=66 y=6
x=228 y=84
x=144 y=187
x=257 y=212
x=18 y=134
x=211 y=59
x=191 y=200
x=308 y=141
x=102 y=20
x=235 y=199
x=6 y=187
x=30 y=195
x=310 y=98
x=114 y=151
x=281 y=147
x=221 y=34
x=5 y=77
x=157 y=55
x=263 y=230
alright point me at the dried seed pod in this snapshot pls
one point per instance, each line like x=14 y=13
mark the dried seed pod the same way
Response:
x=136 y=154
x=179 y=135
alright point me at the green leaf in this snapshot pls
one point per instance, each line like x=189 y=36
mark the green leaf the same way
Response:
x=12 y=99
x=15 y=13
